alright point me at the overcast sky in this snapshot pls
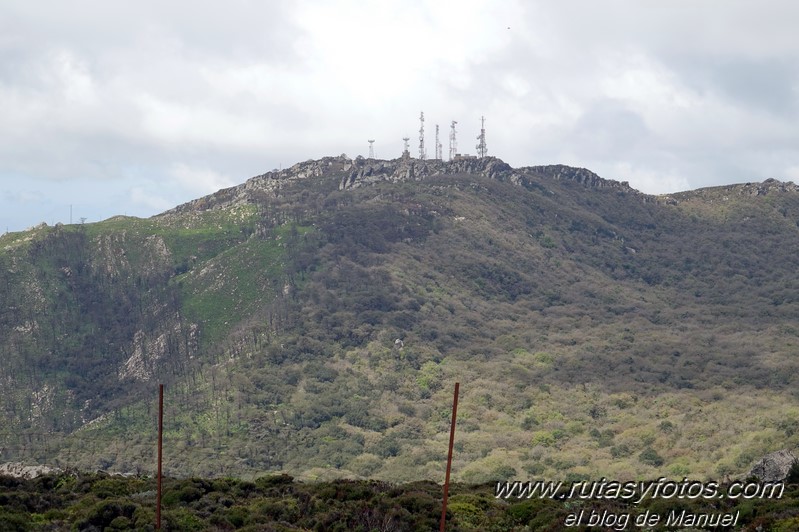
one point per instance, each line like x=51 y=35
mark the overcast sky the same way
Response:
x=134 y=107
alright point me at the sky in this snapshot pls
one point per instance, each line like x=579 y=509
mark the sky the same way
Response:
x=131 y=108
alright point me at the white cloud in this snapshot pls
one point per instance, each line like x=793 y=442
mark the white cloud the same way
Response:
x=143 y=197
x=22 y=196
x=73 y=78
x=649 y=181
x=792 y=173
x=200 y=181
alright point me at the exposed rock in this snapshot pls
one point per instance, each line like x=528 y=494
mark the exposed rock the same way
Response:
x=20 y=470
x=724 y=193
x=268 y=184
x=367 y=172
x=773 y=467
x=581 y=175
x=174 y=338
x=359 y=172
x=766 y=187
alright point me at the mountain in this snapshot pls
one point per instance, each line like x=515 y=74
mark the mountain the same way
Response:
x=314 y=320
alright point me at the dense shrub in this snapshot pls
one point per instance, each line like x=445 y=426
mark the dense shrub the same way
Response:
x=650 y=457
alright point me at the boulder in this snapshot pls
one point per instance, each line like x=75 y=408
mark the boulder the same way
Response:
x=773 y=467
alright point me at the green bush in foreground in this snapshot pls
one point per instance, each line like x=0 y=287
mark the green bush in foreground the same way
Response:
x=82 y=502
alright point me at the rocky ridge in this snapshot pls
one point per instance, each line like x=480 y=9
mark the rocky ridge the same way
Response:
x=360 y=172
x=724 y=193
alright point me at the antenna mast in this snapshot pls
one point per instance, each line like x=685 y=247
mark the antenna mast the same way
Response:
x=406 y=154
x=371 y=148
x=481 y=146
x=438 y=146
x=421 y=138
x=453 y=143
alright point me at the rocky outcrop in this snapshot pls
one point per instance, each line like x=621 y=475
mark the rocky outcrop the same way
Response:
x=768 y=186
x=360 y=172
x=265 y=185
x=727 y=192
x=367 y=171
x=773 y=467
x=20 y=470
x=175 y=339
x=583 y=176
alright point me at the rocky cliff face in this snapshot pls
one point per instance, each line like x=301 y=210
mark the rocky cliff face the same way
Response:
x=86 y=312
x=360 y=172
x=774 y=467
x=366 y=171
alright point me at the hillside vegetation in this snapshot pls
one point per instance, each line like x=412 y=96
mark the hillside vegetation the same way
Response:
x=71 y=501
x=315 y=320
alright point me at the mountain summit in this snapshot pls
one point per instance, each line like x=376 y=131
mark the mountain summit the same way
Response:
x=353 y=173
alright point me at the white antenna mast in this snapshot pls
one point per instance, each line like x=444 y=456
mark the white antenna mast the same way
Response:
x=421 y=138
x=438 y=146
x=453 y=143
x=481 y=146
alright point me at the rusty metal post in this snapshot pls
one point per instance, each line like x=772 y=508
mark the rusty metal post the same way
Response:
x=449 y=457
x=160 y=440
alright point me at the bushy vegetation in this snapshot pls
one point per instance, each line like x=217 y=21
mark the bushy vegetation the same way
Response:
x=75 y=501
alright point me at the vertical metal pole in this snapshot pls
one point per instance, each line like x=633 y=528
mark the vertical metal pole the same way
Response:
x=449 y=457
x=160 y=439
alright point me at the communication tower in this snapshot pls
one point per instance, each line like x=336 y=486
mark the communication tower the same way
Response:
x=438 y=146
x=406 y=154
x=421 y=138
x=481 y=146
x=371 y=148
x=453 y=143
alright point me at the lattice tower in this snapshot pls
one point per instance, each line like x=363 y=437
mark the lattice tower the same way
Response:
x=453 y=142
x=482 y=150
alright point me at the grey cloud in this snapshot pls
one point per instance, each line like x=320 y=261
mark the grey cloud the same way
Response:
x=609 y=127
x=257 y=30
x=769 y=84
x=765 y=84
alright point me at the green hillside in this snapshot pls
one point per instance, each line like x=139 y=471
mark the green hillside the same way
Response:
x=314 y=321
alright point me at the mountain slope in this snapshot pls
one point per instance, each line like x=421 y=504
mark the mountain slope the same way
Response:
x=321 y=315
